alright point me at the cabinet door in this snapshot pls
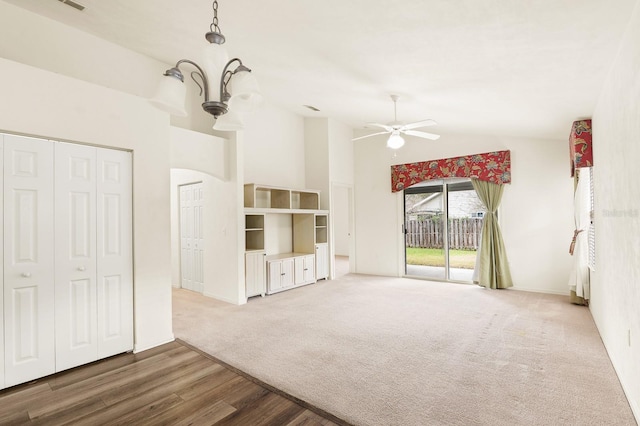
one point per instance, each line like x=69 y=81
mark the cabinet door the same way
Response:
x=275 y=275
x=254 y=273
x=309 y=269
x=287 y=275
x=75 y=274
x=304 y=269
x=28 y=259
x=322 y=261
x=115 y=252
x=298 y=273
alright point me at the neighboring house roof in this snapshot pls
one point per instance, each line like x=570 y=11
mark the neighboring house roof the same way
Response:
x=461 y=204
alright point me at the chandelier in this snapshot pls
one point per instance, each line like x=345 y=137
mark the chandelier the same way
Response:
x=238 y=89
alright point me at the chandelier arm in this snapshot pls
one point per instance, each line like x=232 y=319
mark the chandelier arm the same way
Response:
x=201 y=73
x=193 y=77
x=224 y=93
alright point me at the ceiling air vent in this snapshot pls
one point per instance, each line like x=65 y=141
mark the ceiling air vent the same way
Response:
x=73 y=4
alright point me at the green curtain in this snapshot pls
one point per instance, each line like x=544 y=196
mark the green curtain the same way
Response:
x=492 y=267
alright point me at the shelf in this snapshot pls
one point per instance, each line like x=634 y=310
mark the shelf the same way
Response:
x=273 y=197
x=254 y=232
x=255 y=210
x=321 y=235
x=321 y=220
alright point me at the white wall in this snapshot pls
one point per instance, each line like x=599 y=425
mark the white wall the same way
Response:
x=50 y=45
x=49 y=105
x=340 y=153
x=274 y=147
x=341 y=176
x=535 y=214
x=615 y=287
x=198 y=157
x=316 y=154
x=340 y=220
x=329 y=168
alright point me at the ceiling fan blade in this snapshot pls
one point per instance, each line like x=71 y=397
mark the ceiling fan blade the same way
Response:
x=417 y=124
x=422 y=134
x=367 y=136
x=383 y=126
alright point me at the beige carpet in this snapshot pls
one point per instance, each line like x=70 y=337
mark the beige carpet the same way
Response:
x=380 y=351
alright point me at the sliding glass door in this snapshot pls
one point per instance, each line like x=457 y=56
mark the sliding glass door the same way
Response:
x=443 y=221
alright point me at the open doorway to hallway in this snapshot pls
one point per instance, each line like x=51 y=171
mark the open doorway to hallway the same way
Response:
x=342 y=229
x=443 y=223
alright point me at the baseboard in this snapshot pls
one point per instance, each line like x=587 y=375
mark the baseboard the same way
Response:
x=538 y=290
x=635 y=409
x=224 y=299
x=137 y=348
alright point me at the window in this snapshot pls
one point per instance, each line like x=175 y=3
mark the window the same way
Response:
x=592 y=228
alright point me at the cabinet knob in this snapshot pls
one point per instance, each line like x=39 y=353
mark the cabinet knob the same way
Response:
x=26 y=274
x=283 y=273
x=81 y=268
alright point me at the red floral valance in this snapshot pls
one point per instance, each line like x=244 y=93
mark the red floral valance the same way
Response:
x=491 y=167
x=580 y=145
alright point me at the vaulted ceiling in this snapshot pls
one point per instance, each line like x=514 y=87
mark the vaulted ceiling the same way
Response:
x=500 y=67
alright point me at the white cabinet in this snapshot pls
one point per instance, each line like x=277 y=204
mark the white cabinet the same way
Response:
x=304 y=270
x=75 y=306
x=280 y=274
x=255 y=273
x=322 y=261
x=288 y=226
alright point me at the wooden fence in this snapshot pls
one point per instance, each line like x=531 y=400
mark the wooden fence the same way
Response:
x=464 y=233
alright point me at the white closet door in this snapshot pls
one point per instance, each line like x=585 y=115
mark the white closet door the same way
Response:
x=192 y=237
x=75 y=216
x=28 y=259
x=114 y=250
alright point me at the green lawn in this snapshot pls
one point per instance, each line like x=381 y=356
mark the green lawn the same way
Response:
x=465 y=259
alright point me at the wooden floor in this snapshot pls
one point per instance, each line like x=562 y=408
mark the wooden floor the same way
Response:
x=169 y=385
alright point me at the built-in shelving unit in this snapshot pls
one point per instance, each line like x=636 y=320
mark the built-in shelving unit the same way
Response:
x=287 y=229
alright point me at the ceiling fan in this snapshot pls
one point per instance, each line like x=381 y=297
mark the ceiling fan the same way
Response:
x=396 y=128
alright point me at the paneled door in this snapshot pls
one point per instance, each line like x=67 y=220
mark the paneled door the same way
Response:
x=115 y=252
x=28 y=259
x=192 y=237
x=94 y=282
x=75 y=211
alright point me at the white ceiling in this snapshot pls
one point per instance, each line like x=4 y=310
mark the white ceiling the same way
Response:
x=503 y=67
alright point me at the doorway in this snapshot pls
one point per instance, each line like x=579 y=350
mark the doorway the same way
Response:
x=192 y=237
x=342 y=238
x=442 y=227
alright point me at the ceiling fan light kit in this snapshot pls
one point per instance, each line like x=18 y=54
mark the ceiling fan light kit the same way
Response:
x=395 y=141
x=238 y=88
x=396 y=129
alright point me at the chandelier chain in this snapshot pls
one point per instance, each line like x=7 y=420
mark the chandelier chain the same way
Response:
x=214 y=25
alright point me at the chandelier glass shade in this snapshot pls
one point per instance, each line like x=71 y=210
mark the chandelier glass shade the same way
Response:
x=171 y=97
